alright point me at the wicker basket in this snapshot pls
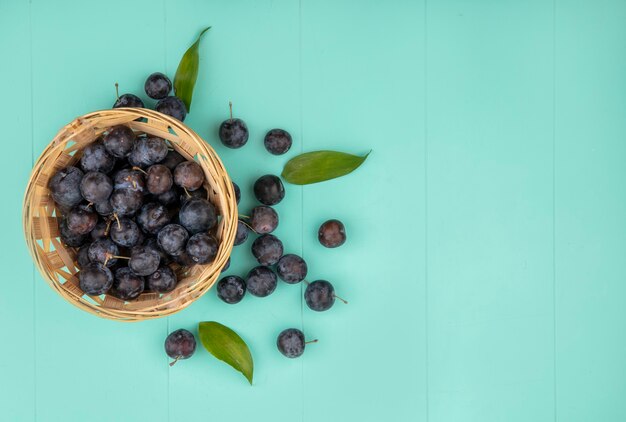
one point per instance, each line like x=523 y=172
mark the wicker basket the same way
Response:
x=57 y=262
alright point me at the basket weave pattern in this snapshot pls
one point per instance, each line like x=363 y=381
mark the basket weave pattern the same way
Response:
x=57 y=262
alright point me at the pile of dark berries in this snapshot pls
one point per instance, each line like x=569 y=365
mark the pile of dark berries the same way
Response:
x=133 y=206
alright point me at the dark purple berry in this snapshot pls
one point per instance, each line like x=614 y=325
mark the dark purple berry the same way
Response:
x=231 y=289
x=233 y=133
x=65 y=186
x=158 y=86
x=119 y=141
x=129 y=179
x=277 y=141
x=291 y=269
x=180 y=344
x=125 y=232
x=261 y=281
x=126 y=284
x=189 y=175
x=81 y=219
x=128 y=100
x=172 y=106
x=197 y=215
x=69 y=237
x=332 y=234
x=172 y=239
x=291 y=343
x=320 y=295
x=94 y=279
x=202 y=248
x=102 y=251
x=144 y=260
x=153 y=217
x=263 y=219
x=96 y=187
x=126 y=202
x=96 y=158
x=163 y=280
x=269 y=190
x=148 y=151
x=267 y=249
x=159 y=179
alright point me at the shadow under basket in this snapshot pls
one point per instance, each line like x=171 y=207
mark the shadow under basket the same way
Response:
x=57 y=262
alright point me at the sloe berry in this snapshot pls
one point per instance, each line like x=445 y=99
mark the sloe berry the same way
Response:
x=158 y=86
x=332 y=234
x=231 y=289
x=261 y=281
x=269 y=190
x=94 y=279
x=163 y=280
x=126 y=284
x=267 y=249
x=277 y=141
x=119 y=141
x=291 y=269
x=65 y=186
x=202 y=248
x=263 y=219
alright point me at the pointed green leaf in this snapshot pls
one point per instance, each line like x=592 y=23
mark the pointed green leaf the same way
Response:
x=227 y=346
x=187 y=72
x=317 y=166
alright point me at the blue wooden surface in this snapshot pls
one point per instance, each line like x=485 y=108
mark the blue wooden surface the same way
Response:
x=485 y=263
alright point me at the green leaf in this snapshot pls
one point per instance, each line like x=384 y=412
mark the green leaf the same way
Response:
x=187 y=72
x=227 y=346
x=317 y=166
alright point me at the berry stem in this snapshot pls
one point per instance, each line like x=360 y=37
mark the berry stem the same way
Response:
x=119 y=257
x=311 y=341
x=244 y=216
x=119 y=226
x=230 y=106
x=108 y=227
x=343 y=300
x=139 y=169
x=174 y=362
x=187 y=192
x=117 y=90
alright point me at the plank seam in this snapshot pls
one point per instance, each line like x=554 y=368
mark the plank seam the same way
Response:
x=554 y=326
x=426 y=309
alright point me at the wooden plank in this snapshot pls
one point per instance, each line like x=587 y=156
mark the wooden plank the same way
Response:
x=362 y=89
x=590 y=210
x=17 y=356
x=490 y=216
